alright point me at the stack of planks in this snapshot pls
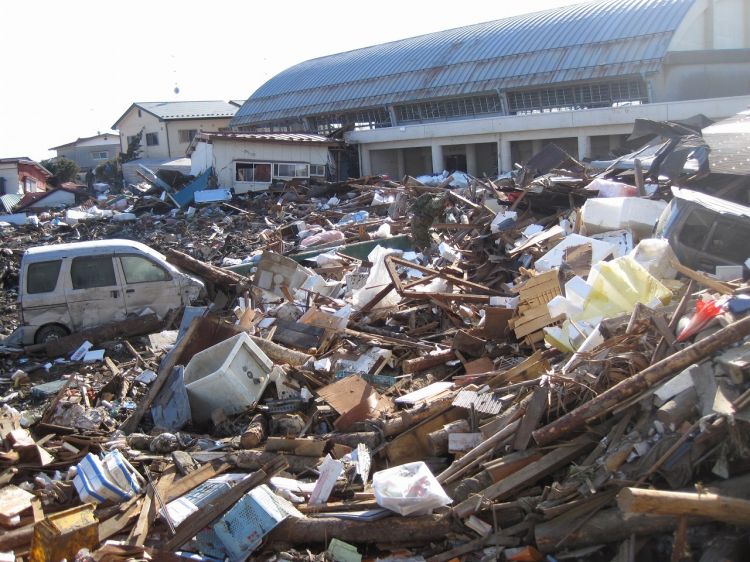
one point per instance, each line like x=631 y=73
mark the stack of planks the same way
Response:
x=533 y=315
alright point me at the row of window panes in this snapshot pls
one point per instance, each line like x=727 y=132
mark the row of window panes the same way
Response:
x=261 y=171
x=447 y=109
x=94 y=271
x=602 y=94
x=362 y=120
x=100 y=155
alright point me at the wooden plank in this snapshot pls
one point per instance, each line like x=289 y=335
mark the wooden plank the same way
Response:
x=194 y=479
x=531 y=474
x=530 y=420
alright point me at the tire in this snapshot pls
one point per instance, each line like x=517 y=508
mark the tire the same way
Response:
x=50 y=332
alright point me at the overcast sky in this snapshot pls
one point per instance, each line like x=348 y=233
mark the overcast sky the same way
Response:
x=70 y=69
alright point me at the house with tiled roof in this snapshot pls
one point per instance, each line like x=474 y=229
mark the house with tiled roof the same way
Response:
x=168 y=127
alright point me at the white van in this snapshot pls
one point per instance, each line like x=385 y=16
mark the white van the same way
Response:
x=66 y=288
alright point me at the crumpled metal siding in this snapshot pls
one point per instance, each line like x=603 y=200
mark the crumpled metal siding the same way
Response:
x=585 y=41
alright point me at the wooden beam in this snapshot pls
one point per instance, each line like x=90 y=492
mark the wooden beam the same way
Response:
x=649 y=377
x=679 y=504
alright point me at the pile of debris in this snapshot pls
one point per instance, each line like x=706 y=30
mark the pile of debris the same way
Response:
x=509 y=369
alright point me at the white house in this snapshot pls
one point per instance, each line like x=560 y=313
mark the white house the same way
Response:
x=169 y=127
x=251 y=161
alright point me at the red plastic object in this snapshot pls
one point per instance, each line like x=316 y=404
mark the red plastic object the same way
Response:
x=705 y=311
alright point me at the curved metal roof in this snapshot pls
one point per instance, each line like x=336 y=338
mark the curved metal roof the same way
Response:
x=581 y=42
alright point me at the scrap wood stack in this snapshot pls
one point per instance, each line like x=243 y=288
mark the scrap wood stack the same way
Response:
x=518 y=391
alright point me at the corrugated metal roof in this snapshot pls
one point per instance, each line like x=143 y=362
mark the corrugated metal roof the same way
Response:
x=9 y=202
x=189 y=109
x=581 y=42
x=269 y=137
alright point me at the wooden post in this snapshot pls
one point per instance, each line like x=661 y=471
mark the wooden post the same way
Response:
x=659 y=502
x=224 y=278
x=608 y=400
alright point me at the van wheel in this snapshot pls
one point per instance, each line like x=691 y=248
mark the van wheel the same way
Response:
x=50 y=332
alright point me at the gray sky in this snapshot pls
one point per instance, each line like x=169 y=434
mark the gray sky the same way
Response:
x=70 y=69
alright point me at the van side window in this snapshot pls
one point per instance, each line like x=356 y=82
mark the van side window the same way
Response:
x=138 y=269
x=730 y=241
x=42 y=276
x=695 y=230
x=92 y=271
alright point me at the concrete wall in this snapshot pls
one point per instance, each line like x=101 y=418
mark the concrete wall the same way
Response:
x=714 y=24
x=385 y=162
x=565 y=124
x=417 y=161
x=226 y=153
x=701 y=81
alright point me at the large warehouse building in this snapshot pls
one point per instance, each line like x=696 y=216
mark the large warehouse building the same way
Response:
x=482 y=97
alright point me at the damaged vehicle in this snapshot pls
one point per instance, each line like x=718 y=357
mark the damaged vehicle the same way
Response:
x=66 y=288
x=705 y=231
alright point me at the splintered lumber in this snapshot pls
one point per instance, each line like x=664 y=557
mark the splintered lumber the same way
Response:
x=412 y=416
x=130 y=424
x=679 y=504
x=405 y=530
x=534 y=412
x=137 y=326
x=254 y=460
x=607 y=526
x=222 y=278
x=571 y=530
x=529 y=475
x=183 y=485
x=477 y=453
x=427 y=361
x=644 y=380
x=280 y=354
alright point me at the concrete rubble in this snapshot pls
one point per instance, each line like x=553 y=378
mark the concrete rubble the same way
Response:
x=435 y=369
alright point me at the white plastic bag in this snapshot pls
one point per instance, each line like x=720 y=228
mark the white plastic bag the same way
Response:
x=376 y=280
x=409 y=489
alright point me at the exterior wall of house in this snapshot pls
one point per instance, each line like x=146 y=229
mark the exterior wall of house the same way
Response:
x=133 y=123
x=31 y=178
x=9 y=182
x=226 y=153
x=177 y=148
x=167 y=132
x=89 y=154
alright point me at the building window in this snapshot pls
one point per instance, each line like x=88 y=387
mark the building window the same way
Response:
x=253 y=172
x=187 y=135
x=291 y=171
x=318 y=170
x=578 y=96
x=361 y=120
x=29 y=185
x=152 y=139
x=100 y=155
x=457 y=108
